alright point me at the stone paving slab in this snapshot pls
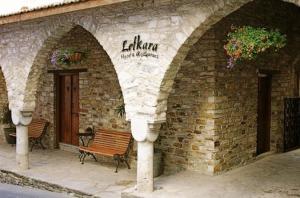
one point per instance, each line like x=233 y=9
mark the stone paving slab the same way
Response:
x=64 y=169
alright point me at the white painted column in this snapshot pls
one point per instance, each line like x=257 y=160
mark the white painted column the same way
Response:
x=145 y=167
x=22 y=119
x=145 y=136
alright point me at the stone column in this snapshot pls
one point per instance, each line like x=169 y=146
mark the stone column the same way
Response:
x=145 y=167
x=22 y=119
x=144 y=134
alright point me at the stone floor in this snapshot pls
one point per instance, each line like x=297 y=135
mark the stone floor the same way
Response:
x=63 y=168
x=273 y=176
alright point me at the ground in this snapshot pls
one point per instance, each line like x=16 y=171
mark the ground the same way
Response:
x=64 y=169
x=273 y=175
x=11 y=191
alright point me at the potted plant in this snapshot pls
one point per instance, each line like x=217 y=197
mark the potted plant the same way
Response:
x=120 y=110
x=246 y=43
x=66 y=56
x=8 y=125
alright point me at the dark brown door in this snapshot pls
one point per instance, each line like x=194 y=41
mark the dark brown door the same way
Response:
x=264 y=114
x=69 y=108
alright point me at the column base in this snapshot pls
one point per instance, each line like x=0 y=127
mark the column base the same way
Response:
x=22 y=162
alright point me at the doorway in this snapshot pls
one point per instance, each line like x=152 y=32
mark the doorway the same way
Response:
x=68 y=108
x=264 y=113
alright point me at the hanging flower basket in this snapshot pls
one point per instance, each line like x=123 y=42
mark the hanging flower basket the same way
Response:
x=66 y=56
x=246 y=43
x=75 y=57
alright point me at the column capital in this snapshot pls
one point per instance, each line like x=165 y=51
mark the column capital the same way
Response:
x=21 y=117
x=143 y=130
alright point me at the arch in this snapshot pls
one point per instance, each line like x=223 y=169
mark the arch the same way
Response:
x=205 y=95
x=218 y=11
x=40 y=63
x=41 y=60
x=100 y=91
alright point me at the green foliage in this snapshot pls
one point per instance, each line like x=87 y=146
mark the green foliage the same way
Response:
x=120 y=110
x=66 y=56
x=246 y=43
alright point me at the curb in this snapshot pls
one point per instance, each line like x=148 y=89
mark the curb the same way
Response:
x=10 y=177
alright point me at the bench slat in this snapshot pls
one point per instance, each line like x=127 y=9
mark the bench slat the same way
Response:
x=109 y=146
x=103 y=139
x=112 y=143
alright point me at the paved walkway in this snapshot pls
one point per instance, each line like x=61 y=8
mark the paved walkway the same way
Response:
x=63 y=168
x=276 y=176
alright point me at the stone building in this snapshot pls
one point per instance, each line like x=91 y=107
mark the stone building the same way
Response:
x=164 y=60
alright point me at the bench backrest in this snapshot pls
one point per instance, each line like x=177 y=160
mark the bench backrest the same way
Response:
x=37 y=127
x=115 y=140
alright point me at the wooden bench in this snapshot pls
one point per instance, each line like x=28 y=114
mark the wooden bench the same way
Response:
x=109 y=143
x=36 y=131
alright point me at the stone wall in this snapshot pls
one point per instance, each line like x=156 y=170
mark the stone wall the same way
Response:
x=212 y=111
x=145 y=81
x=175 y=25
x=99 y=93
x=3 y=103
x=187 y=136
x=237 y=89
x=168 y=23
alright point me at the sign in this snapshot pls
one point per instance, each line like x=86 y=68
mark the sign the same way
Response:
x=138 y=48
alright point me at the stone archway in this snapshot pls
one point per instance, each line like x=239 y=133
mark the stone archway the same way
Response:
x=208 y=14
x=3 y=102
x=199 y=112
x=39 y=64
x=99 y=90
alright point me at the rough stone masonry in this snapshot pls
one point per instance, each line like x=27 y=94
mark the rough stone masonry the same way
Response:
x=212 y=111
x=208 y=113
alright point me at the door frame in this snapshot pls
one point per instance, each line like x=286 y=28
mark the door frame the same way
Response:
x=56 y=76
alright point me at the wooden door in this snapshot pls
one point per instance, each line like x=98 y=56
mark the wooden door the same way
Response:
x=69 y=108
x=264 y=114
